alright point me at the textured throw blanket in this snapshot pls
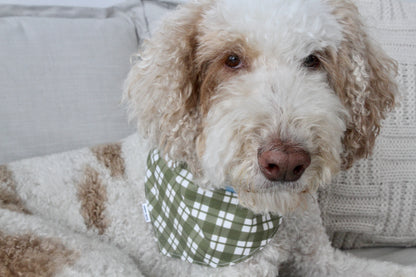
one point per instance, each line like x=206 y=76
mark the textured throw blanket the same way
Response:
x=374 y=203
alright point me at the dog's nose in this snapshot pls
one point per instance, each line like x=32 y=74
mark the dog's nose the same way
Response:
x=284 y=162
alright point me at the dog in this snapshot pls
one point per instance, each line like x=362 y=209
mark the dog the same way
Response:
x=244 y=109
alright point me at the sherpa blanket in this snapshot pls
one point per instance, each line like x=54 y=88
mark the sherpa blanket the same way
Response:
x=58 y=212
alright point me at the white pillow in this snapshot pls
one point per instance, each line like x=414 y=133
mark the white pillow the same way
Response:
x=374 y=203
x=61 y=75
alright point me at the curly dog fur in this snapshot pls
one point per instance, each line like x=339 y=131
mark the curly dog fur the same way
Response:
x=216 y=118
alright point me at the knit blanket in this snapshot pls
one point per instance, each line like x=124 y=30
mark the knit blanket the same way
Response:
x=374 y=203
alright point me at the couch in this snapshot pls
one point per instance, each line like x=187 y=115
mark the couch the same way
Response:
x=61 y=74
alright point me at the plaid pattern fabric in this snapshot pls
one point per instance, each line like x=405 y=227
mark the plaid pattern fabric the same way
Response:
x=201 y=226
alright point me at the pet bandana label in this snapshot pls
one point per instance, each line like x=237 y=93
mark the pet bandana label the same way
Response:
x=201 y=226
x=146 y=213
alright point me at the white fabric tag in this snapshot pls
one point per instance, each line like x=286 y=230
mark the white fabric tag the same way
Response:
x=146 y=212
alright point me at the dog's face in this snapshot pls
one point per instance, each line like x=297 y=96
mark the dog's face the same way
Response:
x=271 y=122
x=270 y=97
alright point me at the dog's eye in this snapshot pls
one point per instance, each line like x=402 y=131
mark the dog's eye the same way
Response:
x=311 y=62
x=233 y=61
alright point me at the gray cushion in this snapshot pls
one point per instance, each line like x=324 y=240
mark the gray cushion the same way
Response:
x=155 y=10
x=61 y=75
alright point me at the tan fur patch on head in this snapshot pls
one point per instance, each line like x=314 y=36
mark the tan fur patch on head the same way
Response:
x=211 y=58
x=93 y=196
x=27 y=255
x=110 y=156
x=168 y=109
x=9 y=199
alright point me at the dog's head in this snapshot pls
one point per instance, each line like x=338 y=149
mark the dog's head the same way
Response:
x=272 y=97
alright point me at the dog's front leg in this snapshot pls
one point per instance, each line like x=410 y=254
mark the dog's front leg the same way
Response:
x=311 y=253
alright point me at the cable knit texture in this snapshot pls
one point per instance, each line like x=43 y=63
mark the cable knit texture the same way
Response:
x=374 y=203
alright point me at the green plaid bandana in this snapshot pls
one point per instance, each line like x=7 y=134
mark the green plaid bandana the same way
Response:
x=201 y=226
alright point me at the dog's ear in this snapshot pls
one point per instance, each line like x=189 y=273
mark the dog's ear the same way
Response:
x=363 y=77
x=161 y=89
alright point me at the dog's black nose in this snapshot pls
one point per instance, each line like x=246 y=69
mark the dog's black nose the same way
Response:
x=283 y=162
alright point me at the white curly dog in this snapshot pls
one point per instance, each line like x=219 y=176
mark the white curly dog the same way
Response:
x=259 y=103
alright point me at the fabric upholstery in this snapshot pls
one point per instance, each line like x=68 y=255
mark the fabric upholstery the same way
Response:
x=61 y=76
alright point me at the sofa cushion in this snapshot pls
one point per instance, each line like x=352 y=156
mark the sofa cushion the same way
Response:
x=61 y=75
x=374 y=203
x=155 y=10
